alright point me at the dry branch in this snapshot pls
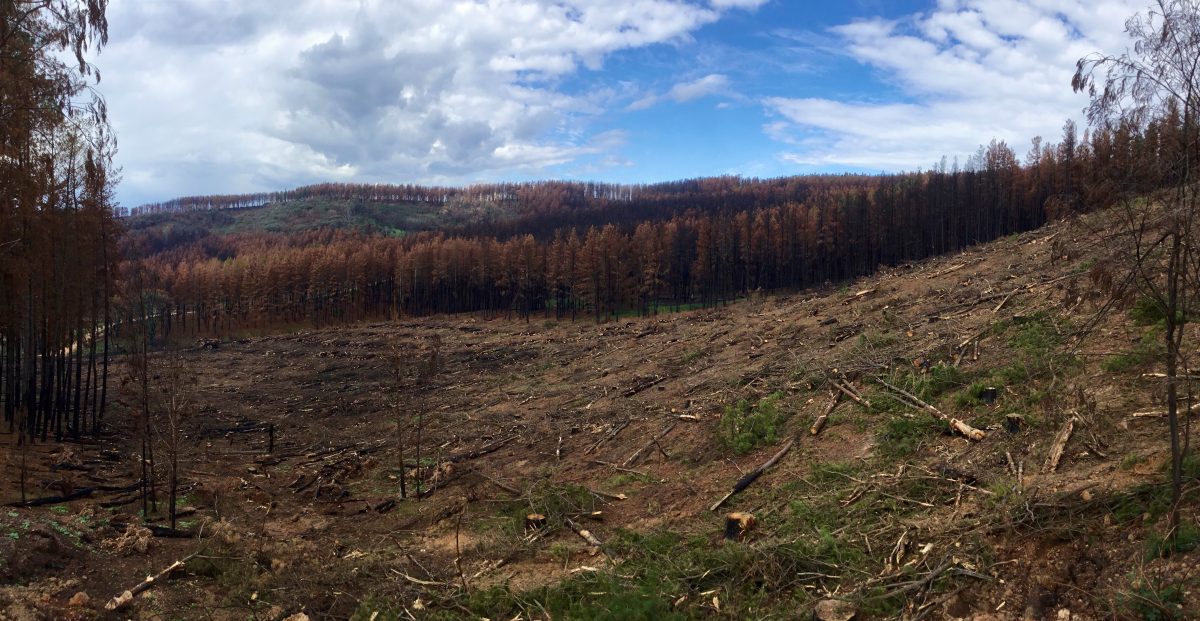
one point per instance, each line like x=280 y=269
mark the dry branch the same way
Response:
x=753 y=475
x=1060 y=444
x=1161 y=413
x=585 y=534
x=121 y=600
x=961 y=427
x=849 y=391
x=643 y=386
x=819 y=424
x=612 y=434
x=662 y=434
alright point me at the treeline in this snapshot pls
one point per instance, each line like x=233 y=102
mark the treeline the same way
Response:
x=704 y=242
x=524 y=194
x=58 y=255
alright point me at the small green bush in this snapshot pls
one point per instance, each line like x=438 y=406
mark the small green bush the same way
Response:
x=1148 y=311
x=744 y=427
x=1186 y=540
x=1156 y=602
x=903 y=436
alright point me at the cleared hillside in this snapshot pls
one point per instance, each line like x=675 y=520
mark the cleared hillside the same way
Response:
x=639 y=419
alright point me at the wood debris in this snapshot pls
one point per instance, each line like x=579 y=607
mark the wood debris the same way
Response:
x=753 y=475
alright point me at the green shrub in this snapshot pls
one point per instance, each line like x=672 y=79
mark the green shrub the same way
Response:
x=903 y=436
x=1148 y=311
x=1156 y=602
x=744 y=427
x=1186 y=539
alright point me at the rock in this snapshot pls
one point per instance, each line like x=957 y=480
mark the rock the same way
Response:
x=1064 y=614
x=834 y=610
x=79 y=600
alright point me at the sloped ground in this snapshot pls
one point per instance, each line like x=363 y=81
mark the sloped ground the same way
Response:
x=885 y=508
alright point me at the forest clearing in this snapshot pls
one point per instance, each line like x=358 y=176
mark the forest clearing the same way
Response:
x=623 y=429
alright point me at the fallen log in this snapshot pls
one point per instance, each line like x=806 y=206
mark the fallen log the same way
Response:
x=819 y=424
x=1060 y=444
x=53 y=500
x=123 y=599
x=752 y=476
x=1162 y=413
x=961 y=427
x=637 y=455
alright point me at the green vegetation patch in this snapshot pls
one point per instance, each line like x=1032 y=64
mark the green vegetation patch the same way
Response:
x=745 y=427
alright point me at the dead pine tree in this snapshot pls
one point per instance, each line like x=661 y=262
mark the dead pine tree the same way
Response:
x=1156 y=257
x=398 y=368
x=425 y=376
x=175 y=402
x=139 y=378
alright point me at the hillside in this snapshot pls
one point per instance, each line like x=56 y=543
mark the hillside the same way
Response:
x=640 y=421
x=290 y=217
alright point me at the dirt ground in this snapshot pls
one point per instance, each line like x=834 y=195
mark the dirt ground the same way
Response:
x=629 y=410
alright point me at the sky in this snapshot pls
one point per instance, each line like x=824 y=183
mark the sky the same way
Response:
x=237 y=96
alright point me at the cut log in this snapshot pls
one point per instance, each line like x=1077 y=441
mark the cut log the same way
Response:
x=753 y=475
x=961 y=427
x=737 y=524
x=819 y=424
x=1060 y=444
x=123 y=599
x=662 y=434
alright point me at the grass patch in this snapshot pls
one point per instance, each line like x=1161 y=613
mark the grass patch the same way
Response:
x=1148 y=311
x=904 y=436
x=1142 y=354
x=556 y=502
x=745 y=427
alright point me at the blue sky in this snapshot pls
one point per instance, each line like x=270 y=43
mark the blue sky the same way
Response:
x=227 y=96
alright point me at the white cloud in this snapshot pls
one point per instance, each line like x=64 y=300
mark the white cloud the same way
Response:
x=712 y=84
x=970 y=71
x=737 y=4
x=230 y=96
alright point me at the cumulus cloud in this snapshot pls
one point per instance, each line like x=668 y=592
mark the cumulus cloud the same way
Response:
x=227 y=95
x=968 y=71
